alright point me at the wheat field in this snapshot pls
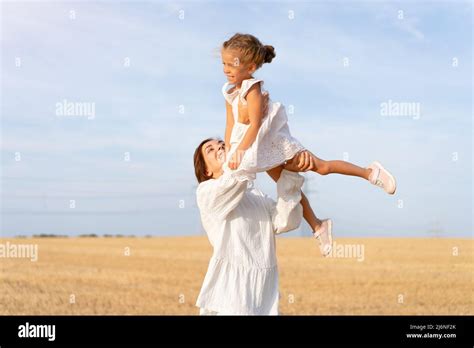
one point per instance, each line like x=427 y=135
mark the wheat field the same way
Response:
x=163 y=275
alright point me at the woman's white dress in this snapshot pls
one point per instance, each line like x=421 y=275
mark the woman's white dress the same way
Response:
x=241 y=222
x=273 y=145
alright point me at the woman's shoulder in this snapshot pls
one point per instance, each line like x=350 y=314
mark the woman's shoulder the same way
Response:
x=203 y=192
x=204 y=185
x=208 y=186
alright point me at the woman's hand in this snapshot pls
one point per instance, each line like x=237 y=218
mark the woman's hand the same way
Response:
x=236 y=159
x=301 y=162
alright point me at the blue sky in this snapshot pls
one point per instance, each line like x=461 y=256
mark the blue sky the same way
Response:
x=160 y=106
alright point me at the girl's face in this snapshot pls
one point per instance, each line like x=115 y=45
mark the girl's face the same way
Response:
x=235 y=70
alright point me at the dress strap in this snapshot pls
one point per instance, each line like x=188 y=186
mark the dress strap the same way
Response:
x=244 y=89
x=229 y=96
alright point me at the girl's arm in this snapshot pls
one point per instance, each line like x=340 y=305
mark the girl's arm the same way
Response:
x=255 y=111
x=228 y=126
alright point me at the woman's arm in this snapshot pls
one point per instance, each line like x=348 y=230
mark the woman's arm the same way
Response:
x=228 y=126
x=286 y=214
x=288 y=211
x=220 y=196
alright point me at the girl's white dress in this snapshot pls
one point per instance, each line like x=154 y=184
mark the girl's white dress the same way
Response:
x=273 y=145
x=241 y=222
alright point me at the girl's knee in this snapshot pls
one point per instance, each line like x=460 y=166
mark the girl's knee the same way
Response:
x=275 y=173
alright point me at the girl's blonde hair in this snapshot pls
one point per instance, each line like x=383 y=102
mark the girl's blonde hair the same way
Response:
x=251 y=48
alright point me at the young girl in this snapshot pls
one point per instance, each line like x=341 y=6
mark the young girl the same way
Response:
x=257 y=142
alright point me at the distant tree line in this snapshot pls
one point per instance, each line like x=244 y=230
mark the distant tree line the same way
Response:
x=91 y=235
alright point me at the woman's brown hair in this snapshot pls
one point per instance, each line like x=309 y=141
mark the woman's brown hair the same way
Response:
x=199 y=163
x=253 y=51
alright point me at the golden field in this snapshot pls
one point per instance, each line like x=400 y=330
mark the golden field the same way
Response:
x=163 y=275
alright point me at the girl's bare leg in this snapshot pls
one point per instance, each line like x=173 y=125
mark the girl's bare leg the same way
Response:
x=308 y=212
x=339 y=167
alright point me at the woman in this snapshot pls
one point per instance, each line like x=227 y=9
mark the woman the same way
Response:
x=241 y=222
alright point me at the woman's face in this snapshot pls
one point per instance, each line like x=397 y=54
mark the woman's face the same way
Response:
x=214 y=156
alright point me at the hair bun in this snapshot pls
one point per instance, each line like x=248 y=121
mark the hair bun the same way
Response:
x=269 y=53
